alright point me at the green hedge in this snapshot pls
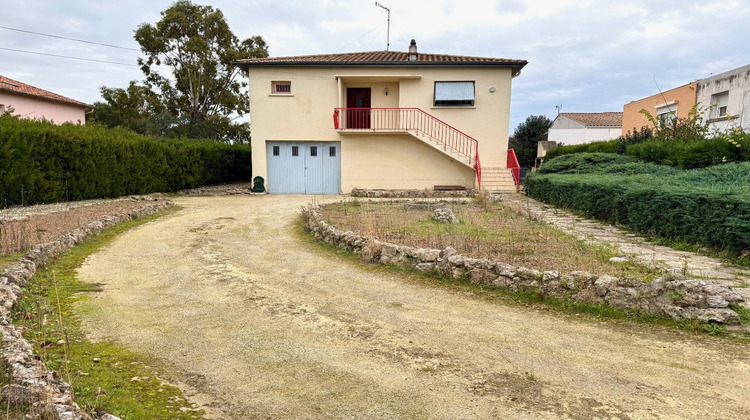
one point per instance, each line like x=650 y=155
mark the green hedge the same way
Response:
x=708 y=206
x=41 y=162
x=608 y=146
x=691 y=153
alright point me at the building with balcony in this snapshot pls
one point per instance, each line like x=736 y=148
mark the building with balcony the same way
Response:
x=325 y=124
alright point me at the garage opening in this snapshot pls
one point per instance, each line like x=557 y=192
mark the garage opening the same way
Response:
x=304 y=167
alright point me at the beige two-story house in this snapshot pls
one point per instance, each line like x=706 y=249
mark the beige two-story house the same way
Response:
x=325 y=124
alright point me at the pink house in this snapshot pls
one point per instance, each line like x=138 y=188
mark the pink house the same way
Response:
x=33 y=103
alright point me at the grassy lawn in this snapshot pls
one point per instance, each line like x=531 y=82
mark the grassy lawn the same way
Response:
x=486 y=230
x=106 y=377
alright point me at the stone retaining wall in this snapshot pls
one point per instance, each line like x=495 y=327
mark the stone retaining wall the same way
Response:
x=360 y=192
x=676 y=296
x=30 y=382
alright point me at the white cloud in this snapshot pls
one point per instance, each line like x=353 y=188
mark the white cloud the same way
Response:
x=587 y=55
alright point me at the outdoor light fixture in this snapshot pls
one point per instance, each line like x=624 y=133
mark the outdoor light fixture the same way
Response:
x=386 y=91
x=492 y=90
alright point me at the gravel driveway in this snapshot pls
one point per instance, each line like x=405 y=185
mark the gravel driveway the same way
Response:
x=252 y=321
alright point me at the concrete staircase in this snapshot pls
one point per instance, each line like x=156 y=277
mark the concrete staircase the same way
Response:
x=497 y=179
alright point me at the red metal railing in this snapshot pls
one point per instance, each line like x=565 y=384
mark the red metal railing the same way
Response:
x=515 y=167
x=415 y=121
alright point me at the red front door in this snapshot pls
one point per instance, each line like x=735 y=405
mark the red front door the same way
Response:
x=359 y=99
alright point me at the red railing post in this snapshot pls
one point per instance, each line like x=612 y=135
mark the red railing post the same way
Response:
x=515 y=168
x=408 y=119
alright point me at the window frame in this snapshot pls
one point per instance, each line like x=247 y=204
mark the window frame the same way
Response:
x=717 y=99
x=454 y=103
x=286 y=91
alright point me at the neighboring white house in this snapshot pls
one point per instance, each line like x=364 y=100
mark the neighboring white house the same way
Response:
x=326 y=124
x=725 y=100
x=571 y=128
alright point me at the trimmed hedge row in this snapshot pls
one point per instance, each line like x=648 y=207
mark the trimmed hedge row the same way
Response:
x=709 y=206
x=685 y=154
x=41 y=162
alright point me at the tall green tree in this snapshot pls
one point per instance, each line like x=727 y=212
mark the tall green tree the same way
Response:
x=526 y=136
x=195 y=42
x=191 y=89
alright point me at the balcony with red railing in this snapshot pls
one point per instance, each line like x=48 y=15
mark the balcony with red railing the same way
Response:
x=415 y=122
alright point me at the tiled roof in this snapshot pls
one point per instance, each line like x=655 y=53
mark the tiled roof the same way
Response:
x=595 y=119
x=382 y=58
x=10 y=85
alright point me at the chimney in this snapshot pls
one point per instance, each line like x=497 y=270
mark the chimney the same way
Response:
x=413 y=50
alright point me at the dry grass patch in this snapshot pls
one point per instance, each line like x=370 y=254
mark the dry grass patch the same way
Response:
x=486 y=230
x=24 y=233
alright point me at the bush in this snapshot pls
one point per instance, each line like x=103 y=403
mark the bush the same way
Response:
x=709 y=206
x=595 y=147
x=41 y=162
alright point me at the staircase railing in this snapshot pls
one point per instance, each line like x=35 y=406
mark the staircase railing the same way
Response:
x=515 y=168
x=415 y=121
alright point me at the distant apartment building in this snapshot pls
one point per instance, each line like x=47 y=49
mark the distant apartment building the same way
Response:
x=725 y=100
x=670 y=104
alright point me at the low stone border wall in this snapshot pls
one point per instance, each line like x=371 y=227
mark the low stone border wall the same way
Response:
x=361 y=192
x=677 y=296
x=30 y=382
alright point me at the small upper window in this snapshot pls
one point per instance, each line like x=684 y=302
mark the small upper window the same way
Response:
x=276 y=150
x=332 y=151
x=295 y=150
x=282 y=88
x=313 y=151
x=2 y=109
x=721 y=101
x=454 y=93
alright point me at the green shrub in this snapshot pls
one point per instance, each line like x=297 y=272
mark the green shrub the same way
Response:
x=595 y=147
x=41 y=162
x=708 y=206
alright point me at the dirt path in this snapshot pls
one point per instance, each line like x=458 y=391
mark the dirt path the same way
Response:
x=254 y=322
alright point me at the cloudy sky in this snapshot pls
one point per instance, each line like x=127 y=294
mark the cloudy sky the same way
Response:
x=585 y=55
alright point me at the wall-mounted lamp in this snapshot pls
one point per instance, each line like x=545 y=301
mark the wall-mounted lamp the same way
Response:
x=492 y=90
x=386 y=91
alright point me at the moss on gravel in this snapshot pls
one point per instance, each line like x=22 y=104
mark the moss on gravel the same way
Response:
x=106 y=376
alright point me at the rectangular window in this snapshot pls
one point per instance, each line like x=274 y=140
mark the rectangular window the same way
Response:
x=454 y=93
x=666 y=113
x=281 y=88
x=295 y=150
x=313 y=151
x=721 y=102
x=332 y=151
x=276 y=150
x=2 y=108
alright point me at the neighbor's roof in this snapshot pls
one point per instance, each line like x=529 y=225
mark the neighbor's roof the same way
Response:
x=14 y=86
x=383 y=58
x=595 y=119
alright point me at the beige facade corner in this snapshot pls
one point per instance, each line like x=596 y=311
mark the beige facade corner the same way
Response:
x=682 y=98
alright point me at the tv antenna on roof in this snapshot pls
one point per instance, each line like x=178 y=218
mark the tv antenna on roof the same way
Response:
x=388 y=33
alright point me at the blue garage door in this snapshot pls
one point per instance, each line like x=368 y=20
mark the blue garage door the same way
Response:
x=304 y=167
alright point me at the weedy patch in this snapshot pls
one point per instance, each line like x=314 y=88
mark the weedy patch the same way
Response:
x=485 y=230
x=106 y=377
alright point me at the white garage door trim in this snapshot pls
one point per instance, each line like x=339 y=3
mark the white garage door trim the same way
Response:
x=303 y=167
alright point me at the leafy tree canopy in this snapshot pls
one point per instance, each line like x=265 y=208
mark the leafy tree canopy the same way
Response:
x=526 y=136
x=200 y=92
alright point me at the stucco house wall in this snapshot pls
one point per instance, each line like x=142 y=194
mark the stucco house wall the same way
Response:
x=735 y=84
x=376 y=159
x=566 y=130
x=37 y=108
x=683 y=98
